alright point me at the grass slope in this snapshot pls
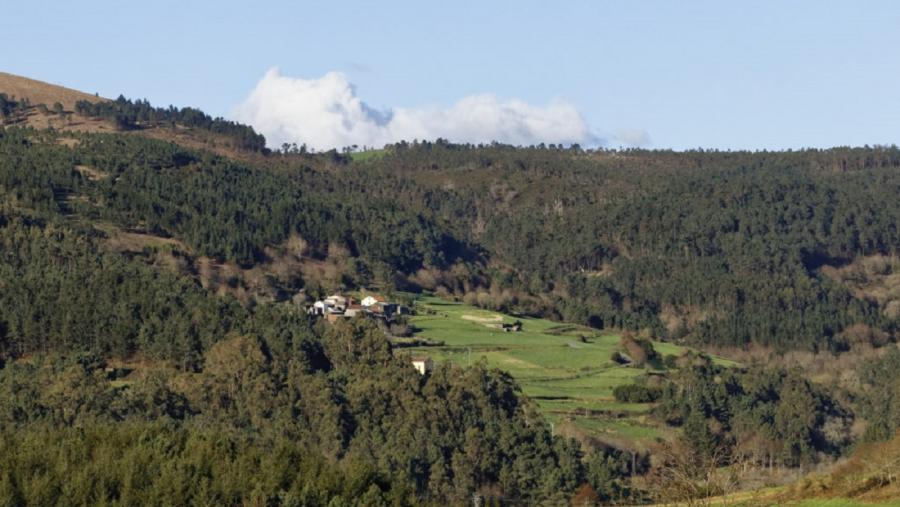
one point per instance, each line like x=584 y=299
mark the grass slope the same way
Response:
x=781 y=496
x=840 y=502
x=571 y=380
x=362 y=156
x=39 y=92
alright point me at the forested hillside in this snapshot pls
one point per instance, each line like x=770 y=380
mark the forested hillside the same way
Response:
x=218 y=387
x=133 y=355
x=153 y=295
x=720 y=248
x=713 y=248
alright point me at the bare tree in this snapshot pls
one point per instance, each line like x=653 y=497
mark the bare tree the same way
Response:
x=683 y=476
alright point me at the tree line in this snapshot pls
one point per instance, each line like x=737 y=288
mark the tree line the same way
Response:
x=129 y=114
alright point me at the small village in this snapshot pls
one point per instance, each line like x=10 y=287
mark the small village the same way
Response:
x=337 y=306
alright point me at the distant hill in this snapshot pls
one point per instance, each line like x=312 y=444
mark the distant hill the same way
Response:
x=39 y=92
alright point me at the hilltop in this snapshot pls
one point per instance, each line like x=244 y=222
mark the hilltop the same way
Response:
x=42 y=105
x=39 y=92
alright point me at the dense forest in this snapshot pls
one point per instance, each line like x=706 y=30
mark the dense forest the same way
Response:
x=724 y=248
x=727 y=253
x=163 y=390
x=767 y=416
x=228 y=385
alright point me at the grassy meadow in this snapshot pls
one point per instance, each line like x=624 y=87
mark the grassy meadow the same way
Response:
x=842 y=502
x=570 y=379
x=362 y=156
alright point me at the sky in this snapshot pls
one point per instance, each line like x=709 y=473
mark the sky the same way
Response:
x=655 y=74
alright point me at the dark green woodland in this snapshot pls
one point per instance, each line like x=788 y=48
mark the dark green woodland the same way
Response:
x=128 y=377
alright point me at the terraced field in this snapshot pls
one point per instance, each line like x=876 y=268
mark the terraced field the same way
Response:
x=571 y=379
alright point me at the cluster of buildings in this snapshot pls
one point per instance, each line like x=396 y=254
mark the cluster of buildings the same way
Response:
x=337 y=307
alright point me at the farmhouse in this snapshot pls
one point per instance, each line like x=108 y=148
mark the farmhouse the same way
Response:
x=318 y=308
x=514 y=327
x=336 y=300
x=423 y=364
x=334 y=304
x=372 y=300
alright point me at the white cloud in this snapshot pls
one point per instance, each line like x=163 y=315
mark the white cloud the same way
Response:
x=326 y=113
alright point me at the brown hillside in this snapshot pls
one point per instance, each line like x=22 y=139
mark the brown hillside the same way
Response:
x=870 y=474
x=39 y=92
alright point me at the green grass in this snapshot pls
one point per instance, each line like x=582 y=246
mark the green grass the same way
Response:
x=569 y=379
x=842 y=502
x=738 y=500
x=816 y=502
x=627 y=428
x=361 y=156
x=778 y=497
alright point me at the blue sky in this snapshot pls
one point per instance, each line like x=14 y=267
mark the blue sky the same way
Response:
x=664 y=74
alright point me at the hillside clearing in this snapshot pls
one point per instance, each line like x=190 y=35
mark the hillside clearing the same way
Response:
x=566 y=369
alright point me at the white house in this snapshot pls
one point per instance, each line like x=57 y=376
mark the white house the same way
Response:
x=319 y=307
x=372 y=300
x=423 y=364
x=337 y=301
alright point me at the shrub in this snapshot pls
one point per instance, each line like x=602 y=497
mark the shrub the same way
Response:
x=633 y=393
x=639 y=350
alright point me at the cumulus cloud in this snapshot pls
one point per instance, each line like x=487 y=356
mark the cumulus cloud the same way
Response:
x=326 y=113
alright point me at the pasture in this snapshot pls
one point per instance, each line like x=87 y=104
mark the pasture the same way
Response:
x=565 y=369
x=364 y=155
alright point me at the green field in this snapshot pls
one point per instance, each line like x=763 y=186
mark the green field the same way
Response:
x=842 y=502
x=570 y=380
x=773 y=498
x=361 y=156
